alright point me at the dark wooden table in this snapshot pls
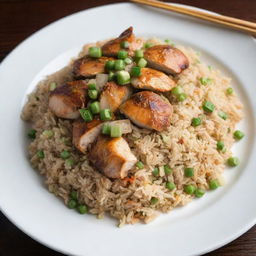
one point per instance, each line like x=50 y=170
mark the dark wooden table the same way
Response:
x=18 y=20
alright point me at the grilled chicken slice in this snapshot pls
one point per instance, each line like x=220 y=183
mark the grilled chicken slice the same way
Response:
x=65 y=100
x=86 y=133
x=148 y=110
x=113 y=96
x=112 y=156
x=154 y=80
x=89 y=67
x=166 y=58
x=112 y=47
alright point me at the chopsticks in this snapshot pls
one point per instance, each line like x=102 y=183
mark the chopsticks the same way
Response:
x=238 y=24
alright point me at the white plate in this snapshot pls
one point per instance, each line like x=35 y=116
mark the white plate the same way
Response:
x=203 y=225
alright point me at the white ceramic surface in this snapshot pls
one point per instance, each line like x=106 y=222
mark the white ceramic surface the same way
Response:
x=203 y=225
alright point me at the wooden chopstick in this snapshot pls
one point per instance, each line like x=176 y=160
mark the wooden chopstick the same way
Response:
x=238 y=24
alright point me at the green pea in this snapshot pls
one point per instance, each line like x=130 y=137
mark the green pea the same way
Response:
x=229 y=91
x=40 y=154
x=65 y=154
x=154 y=200
x=233 y=161
x=74 y=195
x=167 y=169
x=189 y=189
x=199 y=192
x=214 y=184
x=140 y=165
x=72 y=204
x=220 y=145
x=170 y=185
x=32 y=134
x=181 y=97
x=189 y=172
x=82 y=209
x=238 y=135
x=156 y=171
x=70 y=162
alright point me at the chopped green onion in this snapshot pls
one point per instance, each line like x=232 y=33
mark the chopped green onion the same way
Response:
x=135 y=71
x=95 y=107
x=181 y=97
x=106 y=129
x=196 y=121
x=205 y=80
x=92 y=86
x=139 y=54
x=140 y=165
x=48 y=133
x=86 y=114
x=148 y=45
x=111 y=76
x=110 y=64
x=154 y=200
x=189 y=172
x=233 y=161
x=155 y=172
x=189 y=189
x=124 y=44
x=177 y=90
x=229 y=91
x=142 y=63
x=170 y=185
x=115 y=131
x=40 y=154
x=105 y=114
x=210 y=67
x=213 y=184
x=93 y=94
x=32 y=134
x=70 y=162
x=122 y=54
x=199 y=192
x=119 y=65
x=123 y=77
x=238 y=135
x=65 y=154
x=82 y=209
x=168 y=41
x=73 y=195
x=208 y=107
x=128 y=61
x=167 y=169
x=95 y=52
x=220 y=145
x=223 y=115
x=53 y=86
x=72 y=204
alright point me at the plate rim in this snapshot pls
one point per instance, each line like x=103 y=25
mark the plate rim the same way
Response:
x=211 y=248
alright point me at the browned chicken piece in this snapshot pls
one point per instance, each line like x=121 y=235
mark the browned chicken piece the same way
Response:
x=113 y=95
x=154 y=80
x=89 y=67
x=112 y=47
x=66 y=100
x=148 y=110
x=86 y=133
x=112 y=156
x=166 y=58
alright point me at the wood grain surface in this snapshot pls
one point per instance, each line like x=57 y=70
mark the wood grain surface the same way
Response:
x=18 y=20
